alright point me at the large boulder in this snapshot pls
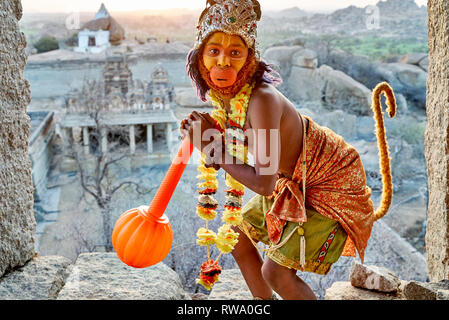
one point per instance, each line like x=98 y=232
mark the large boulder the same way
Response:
x=40 y=279
x=331 y=86
x=17 y=222
x=341 y=122
x=409 y=75
x=437 y=142
x=305 y=58
x=413 y=58
x=281 y=54
x=341 y=89
x=407 y=79
x=102 y=276
x=281 y=57
x=406 y=74
x=424 y=64
x=305 y=84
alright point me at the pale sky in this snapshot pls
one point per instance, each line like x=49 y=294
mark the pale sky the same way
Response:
x=130 y=5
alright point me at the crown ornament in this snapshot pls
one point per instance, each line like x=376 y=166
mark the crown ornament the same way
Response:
x=236 y=17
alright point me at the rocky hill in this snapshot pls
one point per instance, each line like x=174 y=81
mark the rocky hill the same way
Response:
x=391 y=18
x=290 y=13
x=400 y=18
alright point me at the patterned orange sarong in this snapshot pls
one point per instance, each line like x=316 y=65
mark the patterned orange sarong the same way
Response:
x=335 y=187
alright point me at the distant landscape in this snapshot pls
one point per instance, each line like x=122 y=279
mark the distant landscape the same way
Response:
x=399 y=28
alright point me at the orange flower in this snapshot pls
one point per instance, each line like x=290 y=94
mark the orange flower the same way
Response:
x=238 y=107
x=210 y=271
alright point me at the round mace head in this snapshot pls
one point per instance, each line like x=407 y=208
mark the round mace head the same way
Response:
x=140 y=239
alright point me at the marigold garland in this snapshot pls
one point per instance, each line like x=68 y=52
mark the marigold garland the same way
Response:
x=225 y=240
x=210 y=271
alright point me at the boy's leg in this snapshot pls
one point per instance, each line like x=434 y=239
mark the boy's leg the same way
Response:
x=285 y=282
x=250 y=264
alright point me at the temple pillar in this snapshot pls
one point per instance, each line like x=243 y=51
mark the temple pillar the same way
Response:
x=132 y=139
x=150 y=138
x=86 y=140
x=77 y=135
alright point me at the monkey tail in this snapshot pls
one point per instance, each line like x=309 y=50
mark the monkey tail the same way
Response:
x=384 y=155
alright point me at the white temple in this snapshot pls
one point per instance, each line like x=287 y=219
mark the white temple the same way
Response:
x=93 y=41
x=98 y=35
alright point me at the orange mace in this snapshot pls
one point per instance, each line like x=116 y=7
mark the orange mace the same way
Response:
x=143 y=236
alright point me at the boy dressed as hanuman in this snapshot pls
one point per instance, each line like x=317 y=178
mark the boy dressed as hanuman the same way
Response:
x=312 y=203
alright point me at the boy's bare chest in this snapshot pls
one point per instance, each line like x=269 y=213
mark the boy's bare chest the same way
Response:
x=289 y=135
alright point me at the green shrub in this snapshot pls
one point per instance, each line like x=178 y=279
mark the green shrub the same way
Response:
x=46 y=44
x=411 y=132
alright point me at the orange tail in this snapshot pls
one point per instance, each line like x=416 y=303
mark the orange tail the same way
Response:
x=384 y=155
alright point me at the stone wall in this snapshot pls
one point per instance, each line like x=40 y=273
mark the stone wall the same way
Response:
x=40 y=149
x=17 y=224
x=437 y=141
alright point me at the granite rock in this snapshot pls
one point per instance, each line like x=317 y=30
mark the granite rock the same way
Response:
x=231 y=286
x=416 y=290
x=413 y=58
x=333 y=87
x=437 y=142
x=18 y=225
x=102 y=276
x=345 y=291
x=305 y=58
x=40 y=279
x=373 y=278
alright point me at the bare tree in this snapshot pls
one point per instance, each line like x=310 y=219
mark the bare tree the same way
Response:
x=99 y=170
x=81 y=234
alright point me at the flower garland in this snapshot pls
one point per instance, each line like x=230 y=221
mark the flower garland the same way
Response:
x=225 y=239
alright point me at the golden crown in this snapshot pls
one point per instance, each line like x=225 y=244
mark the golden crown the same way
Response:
x=237 y=17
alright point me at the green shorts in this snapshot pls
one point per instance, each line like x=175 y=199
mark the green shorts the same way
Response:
x=325 y=238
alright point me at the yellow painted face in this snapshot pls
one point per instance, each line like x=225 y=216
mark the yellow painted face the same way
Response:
x=224 y=50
